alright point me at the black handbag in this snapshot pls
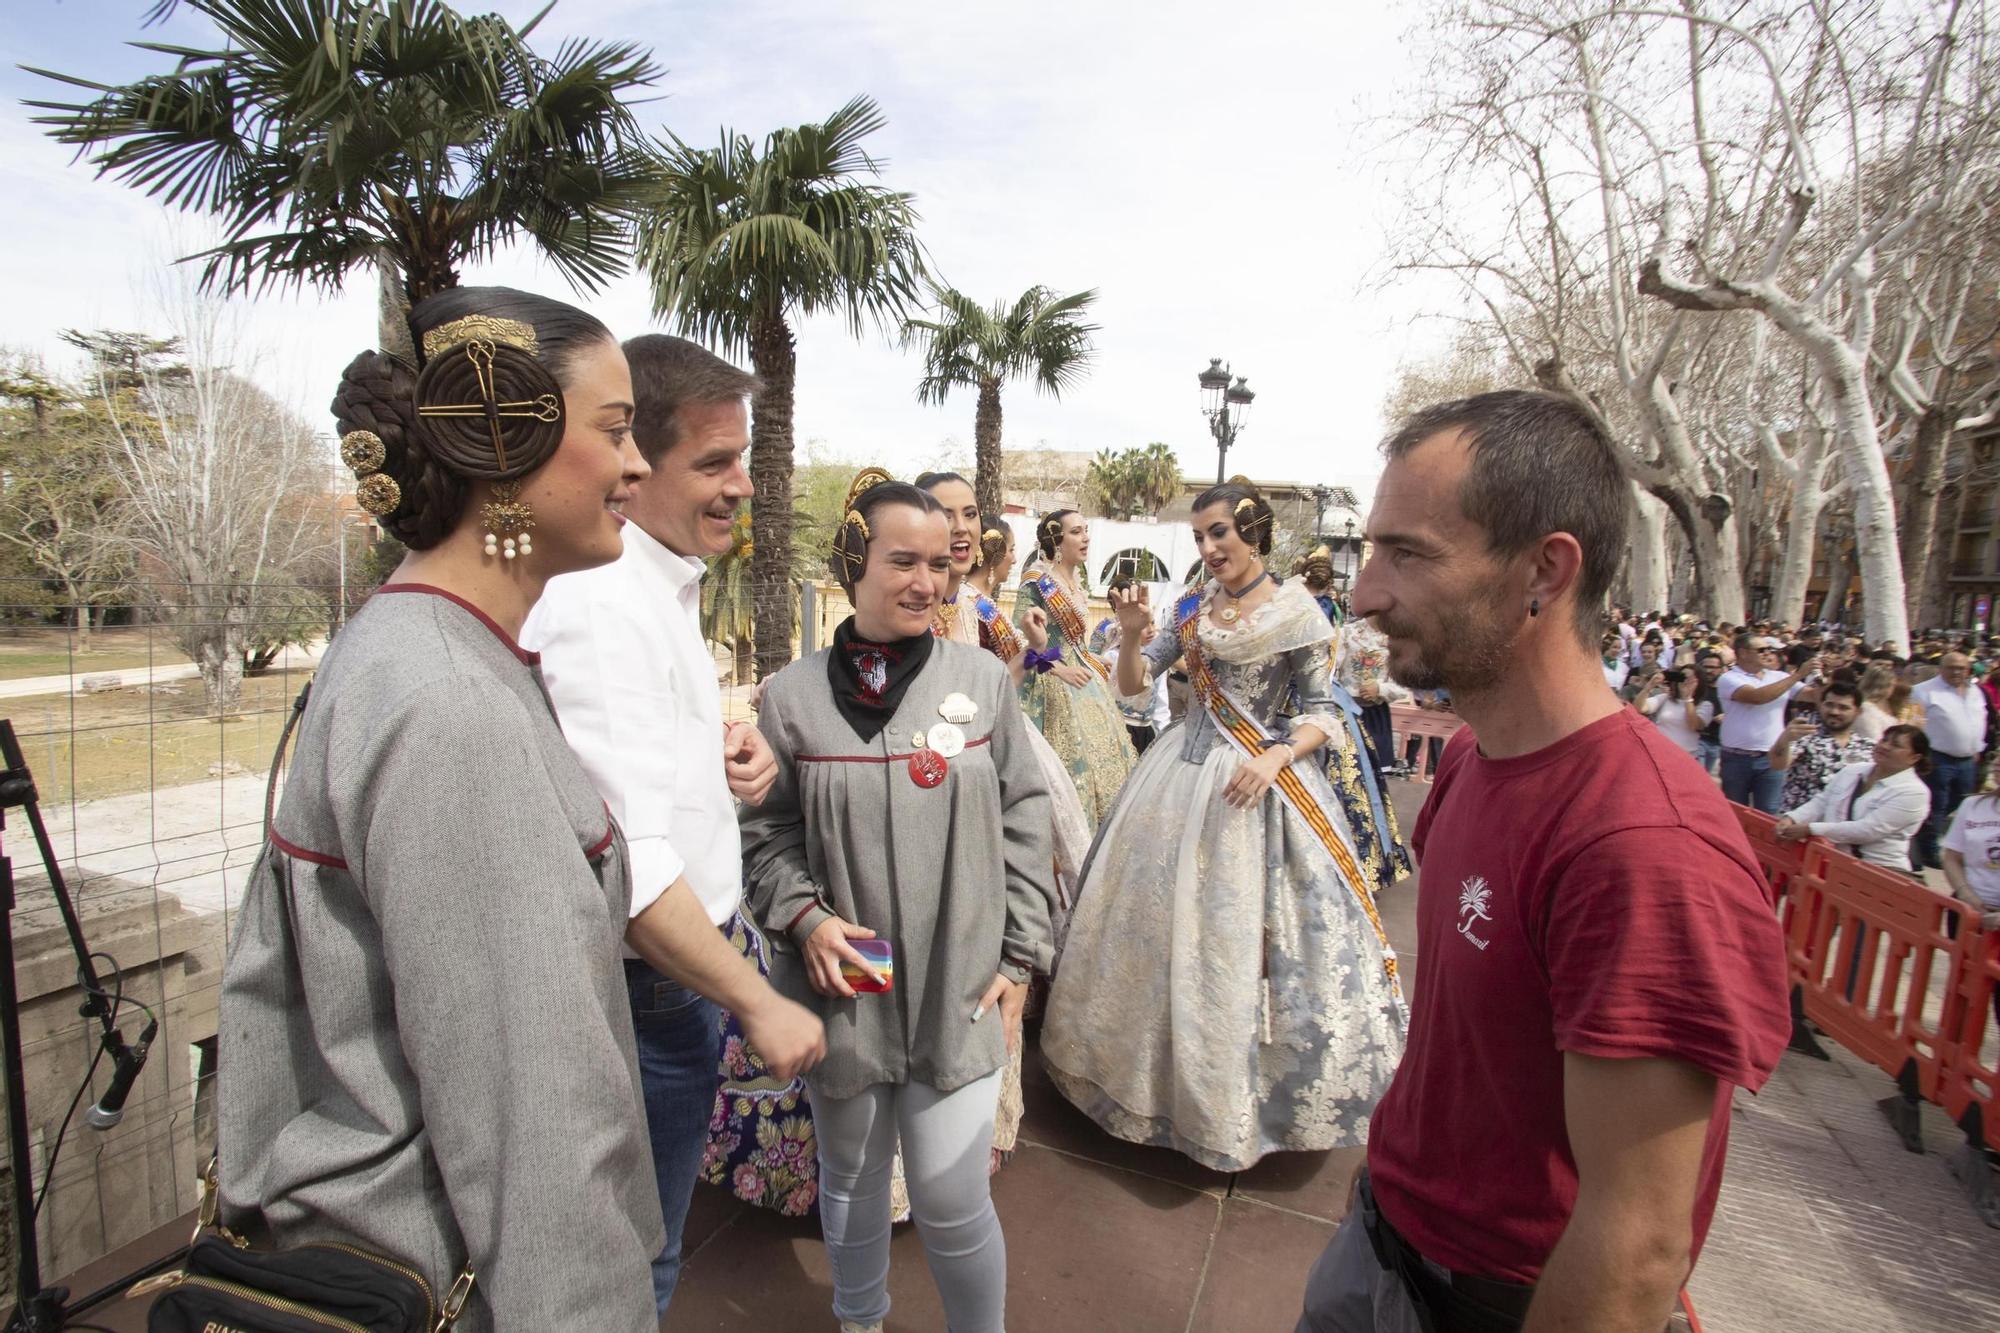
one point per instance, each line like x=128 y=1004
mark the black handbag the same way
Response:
x=225 y=1286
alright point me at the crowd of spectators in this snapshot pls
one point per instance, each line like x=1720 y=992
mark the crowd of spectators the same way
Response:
x=1871 y=747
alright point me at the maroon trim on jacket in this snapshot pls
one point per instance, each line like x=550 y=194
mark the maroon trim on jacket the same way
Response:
x=532 y=659
x=870 y=758
x=298 y=853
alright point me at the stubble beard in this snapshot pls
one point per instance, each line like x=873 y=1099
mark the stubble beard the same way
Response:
x=1467 y=659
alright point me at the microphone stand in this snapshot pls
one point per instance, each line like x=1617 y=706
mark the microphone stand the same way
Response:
x=39 y=1309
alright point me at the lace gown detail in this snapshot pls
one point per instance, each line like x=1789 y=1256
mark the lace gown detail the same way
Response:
x=1222 y=991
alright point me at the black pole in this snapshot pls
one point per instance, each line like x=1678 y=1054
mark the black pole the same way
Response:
x=31 y=1302
x=39 y=1308
x=1222 y=442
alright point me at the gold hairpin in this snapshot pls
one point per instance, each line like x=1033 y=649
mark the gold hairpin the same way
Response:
x=543 y=407
x=992 y=535
x=1245 y=503
x=490 y=328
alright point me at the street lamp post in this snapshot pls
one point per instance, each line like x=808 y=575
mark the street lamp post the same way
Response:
x=1321 y=494
x=1353 y=553
x=1219 y=397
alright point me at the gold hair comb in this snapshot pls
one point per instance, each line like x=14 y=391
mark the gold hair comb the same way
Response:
x=490 y=328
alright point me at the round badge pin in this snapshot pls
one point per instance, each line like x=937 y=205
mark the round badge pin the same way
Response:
x=947 y=740
x=927 y=768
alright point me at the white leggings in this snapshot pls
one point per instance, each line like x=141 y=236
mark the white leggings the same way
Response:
x=947 y=1142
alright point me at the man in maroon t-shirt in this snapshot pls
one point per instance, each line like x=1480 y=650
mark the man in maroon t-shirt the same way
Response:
x=1598 y=964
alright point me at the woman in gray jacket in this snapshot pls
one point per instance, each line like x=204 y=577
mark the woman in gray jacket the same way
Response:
x=426 y=1041
x=910 y=811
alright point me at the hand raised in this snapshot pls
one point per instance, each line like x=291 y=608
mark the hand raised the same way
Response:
x=1133 y=607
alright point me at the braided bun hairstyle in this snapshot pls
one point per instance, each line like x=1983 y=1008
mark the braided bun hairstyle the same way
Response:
x=1255 y=521
x=378 y=392
x=1048 y=532
x=434 y=458
x=993 y=539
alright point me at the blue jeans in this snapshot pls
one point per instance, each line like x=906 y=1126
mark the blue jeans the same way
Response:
x=1710 y=754
x=1747 y=779
x=679 y=1036
x=1952 y=780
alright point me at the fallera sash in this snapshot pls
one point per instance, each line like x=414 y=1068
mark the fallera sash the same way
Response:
x=1070 y=622
x=1000 y=634
x=1244 y=732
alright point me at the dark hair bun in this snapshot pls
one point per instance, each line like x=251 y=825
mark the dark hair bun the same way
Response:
x=489 y=410
x=376 y=394
x=1049 y=532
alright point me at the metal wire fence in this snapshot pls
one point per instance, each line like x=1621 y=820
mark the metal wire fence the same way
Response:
x=152 y=799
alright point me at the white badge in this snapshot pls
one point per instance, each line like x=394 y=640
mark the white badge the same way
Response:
x=957 y=708
x=947 y=740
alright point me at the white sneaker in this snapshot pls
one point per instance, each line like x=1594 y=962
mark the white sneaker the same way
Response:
x=849 y=1326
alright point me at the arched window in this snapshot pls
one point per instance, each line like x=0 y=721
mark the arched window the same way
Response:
x=1134 y=562
x=1195 y=574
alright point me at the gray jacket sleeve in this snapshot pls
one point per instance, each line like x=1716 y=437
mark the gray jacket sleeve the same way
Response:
x=496 y=939
x=1027 y=841
x=777 y=877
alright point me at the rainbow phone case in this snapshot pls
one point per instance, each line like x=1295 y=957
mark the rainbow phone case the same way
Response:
x=880 y=956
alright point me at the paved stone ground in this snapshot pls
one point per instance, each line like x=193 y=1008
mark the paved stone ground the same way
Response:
x=1825 y=1224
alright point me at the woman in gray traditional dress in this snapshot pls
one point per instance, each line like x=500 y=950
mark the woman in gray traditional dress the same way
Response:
x=908 y=810
x=1226 y=989
x=426 y=1040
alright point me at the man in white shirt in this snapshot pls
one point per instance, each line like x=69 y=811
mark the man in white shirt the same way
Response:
x=635 y=687
x=1753 y=694
x=1955 y=721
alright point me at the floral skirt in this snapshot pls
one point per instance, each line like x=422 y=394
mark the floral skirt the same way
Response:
x=760 y=1137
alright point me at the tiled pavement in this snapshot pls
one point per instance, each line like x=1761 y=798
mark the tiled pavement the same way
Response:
x=1825 y=1224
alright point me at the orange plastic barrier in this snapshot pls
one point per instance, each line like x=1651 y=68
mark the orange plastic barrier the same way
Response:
x=1875 y=964
x=1410 y=722
x=1972 y=1077
x=1864 y=946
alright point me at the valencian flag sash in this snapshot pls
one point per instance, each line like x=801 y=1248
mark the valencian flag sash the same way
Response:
x=1070 y=623
x=1241 y=727
x=1000 y=640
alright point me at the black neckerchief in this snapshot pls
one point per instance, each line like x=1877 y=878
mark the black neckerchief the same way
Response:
x=869 y=679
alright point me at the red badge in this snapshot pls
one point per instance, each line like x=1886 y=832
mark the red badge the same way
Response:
x=927 y=768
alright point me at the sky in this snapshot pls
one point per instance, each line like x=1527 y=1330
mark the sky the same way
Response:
x=1215 y=171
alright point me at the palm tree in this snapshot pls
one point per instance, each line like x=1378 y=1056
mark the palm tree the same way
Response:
x=1156 y=476
x=1107 y=484
x=725 y=598
x=328 y=133
x=737 y=240
x=1041 y=336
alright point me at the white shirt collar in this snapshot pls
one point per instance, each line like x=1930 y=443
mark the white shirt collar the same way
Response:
x=677 y=570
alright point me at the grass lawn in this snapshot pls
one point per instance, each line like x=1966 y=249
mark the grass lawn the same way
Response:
x=131 y=740
x=45 y=651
